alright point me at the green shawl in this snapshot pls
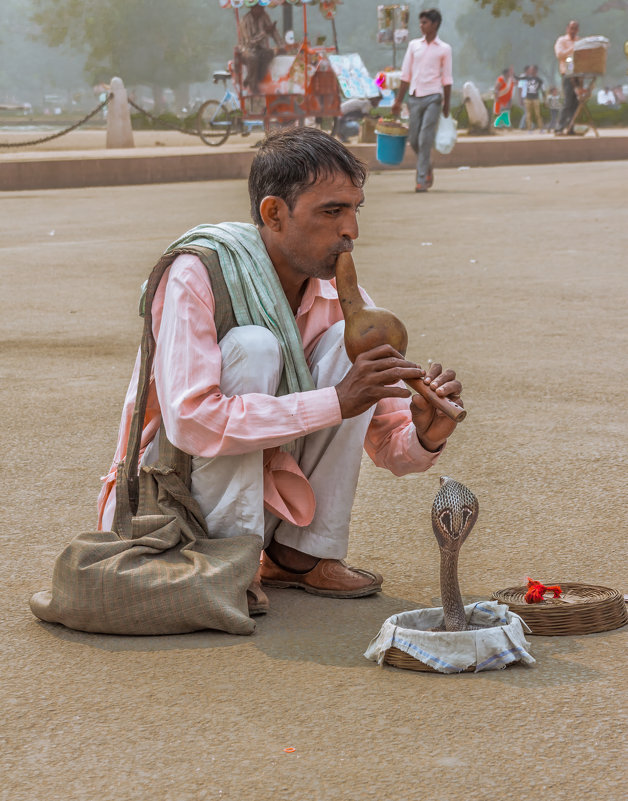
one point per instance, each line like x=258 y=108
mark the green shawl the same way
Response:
x=256 y=295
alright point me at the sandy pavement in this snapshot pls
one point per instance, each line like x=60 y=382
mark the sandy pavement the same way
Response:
x=517 y=277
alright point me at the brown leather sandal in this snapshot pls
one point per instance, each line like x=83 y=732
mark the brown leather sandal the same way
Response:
x=331 y=578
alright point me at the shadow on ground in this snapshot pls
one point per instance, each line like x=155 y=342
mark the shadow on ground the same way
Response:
x=305 y=628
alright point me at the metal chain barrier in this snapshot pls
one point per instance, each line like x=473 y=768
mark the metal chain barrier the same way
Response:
x=60 y=133
x=162 y=122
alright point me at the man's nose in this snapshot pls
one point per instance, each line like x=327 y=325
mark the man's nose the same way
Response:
x=350 y=225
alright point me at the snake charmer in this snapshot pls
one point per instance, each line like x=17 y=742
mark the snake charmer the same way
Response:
x=251 y=376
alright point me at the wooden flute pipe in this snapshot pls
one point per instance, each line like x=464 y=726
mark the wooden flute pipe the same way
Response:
x=367 y=327
x=449 y=407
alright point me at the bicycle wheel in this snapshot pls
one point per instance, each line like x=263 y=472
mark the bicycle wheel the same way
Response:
x=213 y=123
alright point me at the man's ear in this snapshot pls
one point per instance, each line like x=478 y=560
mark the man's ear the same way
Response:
x=272 y=210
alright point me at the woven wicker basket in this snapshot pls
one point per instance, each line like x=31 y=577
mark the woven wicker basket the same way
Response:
x=416 y=640
x=590 y=62
x=586 y=609
x=398 y=658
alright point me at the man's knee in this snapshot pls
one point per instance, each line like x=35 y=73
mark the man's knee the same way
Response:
x=430 y=122
x=329 y=362
x=252 y=360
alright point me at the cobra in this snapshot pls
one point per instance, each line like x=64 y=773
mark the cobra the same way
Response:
x=454 y=512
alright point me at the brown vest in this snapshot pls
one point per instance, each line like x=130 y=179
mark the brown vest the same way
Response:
x=169 y=455
x=224 y=317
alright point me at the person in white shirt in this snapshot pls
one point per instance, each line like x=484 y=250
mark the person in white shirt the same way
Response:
x=606 y=97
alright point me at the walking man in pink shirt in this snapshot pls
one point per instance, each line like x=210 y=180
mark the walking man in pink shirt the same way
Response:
x=251 y=376
x=427 y=74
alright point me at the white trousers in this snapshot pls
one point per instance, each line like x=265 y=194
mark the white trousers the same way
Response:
x=230 y=489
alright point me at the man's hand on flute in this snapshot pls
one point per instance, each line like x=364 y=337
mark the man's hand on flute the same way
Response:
x=433 y=427
x=375 y=375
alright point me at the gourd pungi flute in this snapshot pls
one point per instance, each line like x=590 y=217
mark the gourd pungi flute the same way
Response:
x=367 y=327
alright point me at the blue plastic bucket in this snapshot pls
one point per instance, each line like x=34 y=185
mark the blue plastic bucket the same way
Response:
x=390 y=149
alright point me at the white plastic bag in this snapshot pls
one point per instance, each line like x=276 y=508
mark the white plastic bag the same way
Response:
x=446 y=134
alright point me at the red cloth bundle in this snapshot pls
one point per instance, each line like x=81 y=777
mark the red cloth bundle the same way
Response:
x=536 y=591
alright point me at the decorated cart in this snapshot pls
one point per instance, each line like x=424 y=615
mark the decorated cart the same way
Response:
x=277 y=80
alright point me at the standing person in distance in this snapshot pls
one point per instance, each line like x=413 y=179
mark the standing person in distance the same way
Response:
x=504 y=86
x=522 y=89
x=426 y=72
x=533 y=99
x=563 y=49
x=553 y=103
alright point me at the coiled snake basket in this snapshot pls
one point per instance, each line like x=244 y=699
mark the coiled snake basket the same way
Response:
x=582 y=609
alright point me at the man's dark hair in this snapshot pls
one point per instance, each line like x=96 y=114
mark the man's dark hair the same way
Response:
x=291 y=159
x=434 y=15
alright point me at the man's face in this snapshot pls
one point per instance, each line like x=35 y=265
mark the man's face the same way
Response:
x=572 y=29
x=322 y=224
x=428 y=28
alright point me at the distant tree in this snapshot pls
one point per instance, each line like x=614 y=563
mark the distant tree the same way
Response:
x=531 y=11
x=159 y=43
x=488 y=46
x=30 y=69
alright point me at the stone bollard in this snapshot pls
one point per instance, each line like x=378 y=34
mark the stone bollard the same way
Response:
x=119 y=131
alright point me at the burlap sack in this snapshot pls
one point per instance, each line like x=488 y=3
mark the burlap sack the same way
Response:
x=157 y=572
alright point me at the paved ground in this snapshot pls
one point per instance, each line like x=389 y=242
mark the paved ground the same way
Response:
x=517 y=277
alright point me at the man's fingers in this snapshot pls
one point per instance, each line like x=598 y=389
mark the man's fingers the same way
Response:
x=391 y=363
x=421 y=405
x=380 y=352
x=392 y=370
x=441 y=377
x=434 y=370
x=387 y=366
x=450 y=389
x=395 y=392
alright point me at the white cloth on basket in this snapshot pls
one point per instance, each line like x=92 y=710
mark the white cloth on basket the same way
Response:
x=500 y=643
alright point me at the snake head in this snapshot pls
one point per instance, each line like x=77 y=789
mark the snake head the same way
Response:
x=454 y=512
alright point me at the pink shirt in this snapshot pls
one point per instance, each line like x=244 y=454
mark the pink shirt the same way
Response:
x=427 y=67
x=563 y=49
x=202 y=421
